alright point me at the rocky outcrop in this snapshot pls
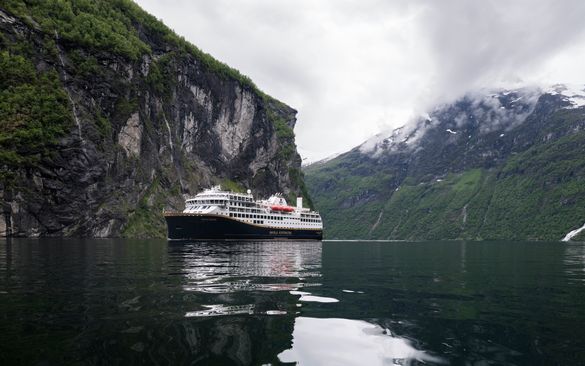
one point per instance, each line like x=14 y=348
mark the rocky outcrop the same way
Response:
x=144 y=134
x=130 y=136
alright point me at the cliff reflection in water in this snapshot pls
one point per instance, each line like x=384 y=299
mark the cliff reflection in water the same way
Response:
x=67 y=301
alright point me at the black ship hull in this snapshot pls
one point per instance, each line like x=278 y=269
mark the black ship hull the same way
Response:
x=182 y=226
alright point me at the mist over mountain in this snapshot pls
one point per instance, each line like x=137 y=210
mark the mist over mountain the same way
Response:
x=491 y=165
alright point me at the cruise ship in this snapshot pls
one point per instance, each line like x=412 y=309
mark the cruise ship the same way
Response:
x=215 y=214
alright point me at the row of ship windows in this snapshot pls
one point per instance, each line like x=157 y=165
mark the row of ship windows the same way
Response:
x=222 y=202
x=198 y=207
x=210 y=202
x=238 y=198
x=246 y=210
x=223 y=199
x=251 y=216
x=244 y=204
x=195 y=207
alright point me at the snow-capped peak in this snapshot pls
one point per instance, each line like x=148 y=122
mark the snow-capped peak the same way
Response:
x=490 y=110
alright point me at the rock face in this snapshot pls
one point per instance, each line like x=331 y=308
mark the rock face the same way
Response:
x=130 y=136
x=140 y=132
x=492 y=165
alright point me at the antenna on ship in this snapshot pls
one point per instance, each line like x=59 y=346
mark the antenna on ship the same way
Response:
x=249 y=191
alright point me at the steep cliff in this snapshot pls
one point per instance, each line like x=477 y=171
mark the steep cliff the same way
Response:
x=107 y=117
x=501 y=165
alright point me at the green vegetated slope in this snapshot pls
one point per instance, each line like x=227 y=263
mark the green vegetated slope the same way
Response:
x=107 y=117
x=34 y=111
x=534 y=190
x=111 y=26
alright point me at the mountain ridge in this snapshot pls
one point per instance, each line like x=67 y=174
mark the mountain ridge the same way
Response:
x=455 y=173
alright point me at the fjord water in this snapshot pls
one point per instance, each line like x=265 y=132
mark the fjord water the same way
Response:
x=332 y=303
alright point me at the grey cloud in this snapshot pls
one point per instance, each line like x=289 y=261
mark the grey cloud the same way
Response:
x=348 y=65
x=480 y=43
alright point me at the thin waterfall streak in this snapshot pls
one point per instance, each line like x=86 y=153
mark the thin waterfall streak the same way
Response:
x=64 y=75
x=170 y=137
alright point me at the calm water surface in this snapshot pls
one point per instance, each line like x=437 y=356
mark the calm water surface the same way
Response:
x=131 y=302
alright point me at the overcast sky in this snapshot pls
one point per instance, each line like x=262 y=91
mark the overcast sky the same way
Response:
x=355 y=68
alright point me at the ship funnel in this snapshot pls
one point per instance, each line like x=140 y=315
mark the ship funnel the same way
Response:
x=299 y=202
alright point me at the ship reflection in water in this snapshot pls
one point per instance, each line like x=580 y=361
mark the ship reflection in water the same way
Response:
x=235 y=267
x=257 y=295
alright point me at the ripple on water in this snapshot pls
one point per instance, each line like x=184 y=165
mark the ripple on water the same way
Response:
x=307 y=297
x=239 y=286
x=223 y=310
x=220 y=309
x=352 y=292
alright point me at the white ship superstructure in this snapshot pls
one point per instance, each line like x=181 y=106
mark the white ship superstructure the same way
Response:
x=273 y=212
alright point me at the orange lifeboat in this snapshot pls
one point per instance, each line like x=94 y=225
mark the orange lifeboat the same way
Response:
x=282 y=208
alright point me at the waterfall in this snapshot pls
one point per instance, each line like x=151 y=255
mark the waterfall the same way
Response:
x=170 y=137
x=64 y=75
x=573 y=233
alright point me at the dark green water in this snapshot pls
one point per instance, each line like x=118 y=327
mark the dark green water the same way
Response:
x=148 y=302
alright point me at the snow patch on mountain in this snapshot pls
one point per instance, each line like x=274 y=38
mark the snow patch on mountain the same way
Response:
x=504 y=110
x=572 y=93
x=401 y=138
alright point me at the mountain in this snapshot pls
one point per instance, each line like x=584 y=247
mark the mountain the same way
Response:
x=107 y=117
x=491 y=165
